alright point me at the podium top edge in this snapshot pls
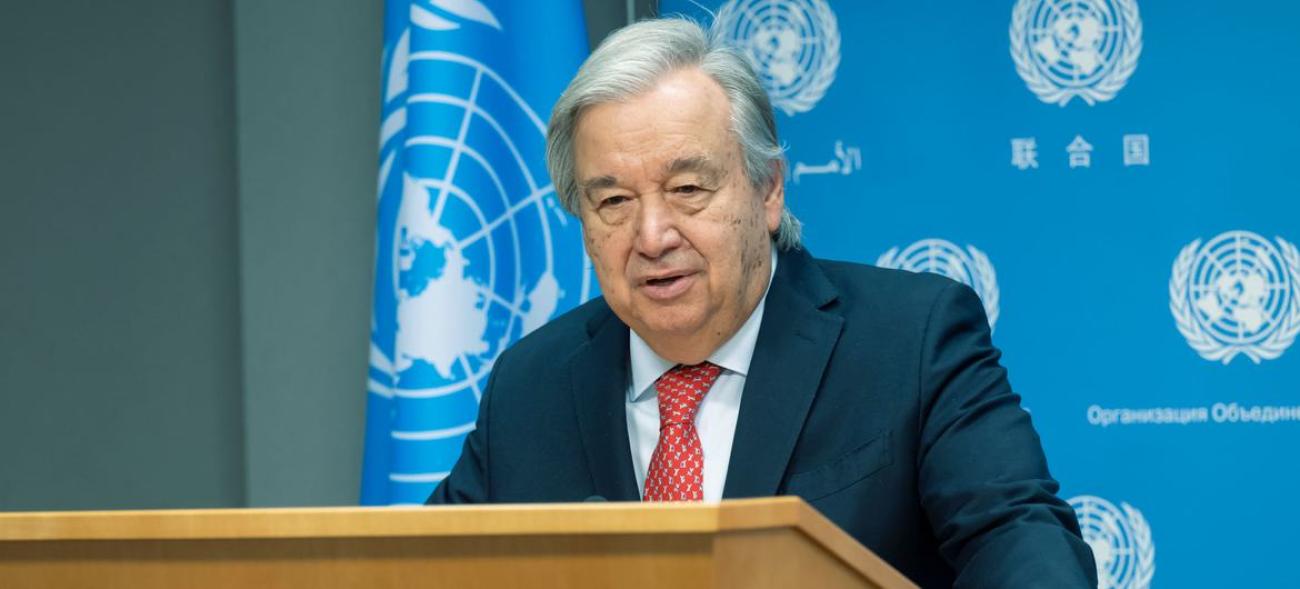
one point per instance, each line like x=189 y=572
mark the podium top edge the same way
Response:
x=408 y=521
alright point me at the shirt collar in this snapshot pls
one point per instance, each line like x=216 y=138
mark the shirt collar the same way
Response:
x=732 y=356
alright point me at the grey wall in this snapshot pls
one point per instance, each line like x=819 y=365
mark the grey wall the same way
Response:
x=187 y=194
x=119 y=357
x=308 y=104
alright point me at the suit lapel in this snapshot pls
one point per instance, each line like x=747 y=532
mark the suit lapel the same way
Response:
x=599 y=375
x=794 y=345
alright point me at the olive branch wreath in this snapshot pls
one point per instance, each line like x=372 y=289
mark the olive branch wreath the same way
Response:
x=1146 y=549
x=988 y=284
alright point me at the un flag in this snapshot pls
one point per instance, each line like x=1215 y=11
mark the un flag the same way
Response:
x=473 y=250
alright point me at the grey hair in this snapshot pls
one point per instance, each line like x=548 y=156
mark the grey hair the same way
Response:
x=631 y=60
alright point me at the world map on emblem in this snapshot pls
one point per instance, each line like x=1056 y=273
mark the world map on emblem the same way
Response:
x=481 y=251
x=1236 y=294
x=1240 y=286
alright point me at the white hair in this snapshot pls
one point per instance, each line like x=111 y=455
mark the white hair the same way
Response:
x=631 y=60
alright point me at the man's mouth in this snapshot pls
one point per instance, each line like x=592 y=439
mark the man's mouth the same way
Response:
x=664 y=288
x=663 y=281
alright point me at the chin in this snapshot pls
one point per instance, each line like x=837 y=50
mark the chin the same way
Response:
x=671 y=322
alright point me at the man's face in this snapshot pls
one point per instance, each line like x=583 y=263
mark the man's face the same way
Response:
x=679 y=237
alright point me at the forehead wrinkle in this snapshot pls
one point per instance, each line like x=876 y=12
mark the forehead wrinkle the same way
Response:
x=699 y=164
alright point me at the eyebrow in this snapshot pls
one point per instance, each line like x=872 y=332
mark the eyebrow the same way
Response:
x=699 y=164
x=598 y=183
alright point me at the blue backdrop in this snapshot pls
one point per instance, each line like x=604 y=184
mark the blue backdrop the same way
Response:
x=473 y=249
x=1115 y=178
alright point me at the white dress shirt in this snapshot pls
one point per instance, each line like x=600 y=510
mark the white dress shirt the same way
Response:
x=716 y=418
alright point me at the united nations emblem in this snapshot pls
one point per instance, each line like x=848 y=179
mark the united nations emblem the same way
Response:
x=794 y=44
x=970 y=267
x=1235 y=295
x=479 y=252
x=1120 y=540
x=1068 y=48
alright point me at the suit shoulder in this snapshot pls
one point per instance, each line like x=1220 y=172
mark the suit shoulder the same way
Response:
x=554 y=340
x=862 y=284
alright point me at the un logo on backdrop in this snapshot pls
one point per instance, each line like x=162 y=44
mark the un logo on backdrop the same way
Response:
x=795 y=44
x=1120 y=540
x=481 y=252
x=1068 y=48
x=970 y=267
x=1236 y=294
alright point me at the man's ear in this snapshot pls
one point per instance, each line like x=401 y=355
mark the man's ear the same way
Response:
x=774 y=197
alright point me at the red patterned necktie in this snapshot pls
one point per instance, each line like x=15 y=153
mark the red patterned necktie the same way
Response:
x=676 y=470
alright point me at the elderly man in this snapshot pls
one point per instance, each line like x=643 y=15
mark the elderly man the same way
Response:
x=723 y=361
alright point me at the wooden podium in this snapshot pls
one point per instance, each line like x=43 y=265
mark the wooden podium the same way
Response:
x=777 y=542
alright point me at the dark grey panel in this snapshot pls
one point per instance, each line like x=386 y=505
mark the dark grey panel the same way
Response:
x=603 y=16
x=308 y=103
x=118 y=340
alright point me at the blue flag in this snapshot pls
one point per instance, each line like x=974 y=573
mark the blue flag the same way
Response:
x=473 y=249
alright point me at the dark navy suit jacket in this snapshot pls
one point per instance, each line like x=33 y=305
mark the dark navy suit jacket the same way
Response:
x=876 y=395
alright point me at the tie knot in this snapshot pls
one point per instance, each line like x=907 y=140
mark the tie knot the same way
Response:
x=682 y=389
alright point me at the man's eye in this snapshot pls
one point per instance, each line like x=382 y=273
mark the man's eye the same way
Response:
x=613 y=200
x=687 y=189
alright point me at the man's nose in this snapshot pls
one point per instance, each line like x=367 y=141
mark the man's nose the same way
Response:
x=656 y=227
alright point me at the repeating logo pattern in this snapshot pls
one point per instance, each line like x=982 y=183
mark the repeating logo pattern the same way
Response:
x=970 y=267
x=1068 y=48
x=676 y=471
x=794 y=44
x=1121 y=543
x=1236 y=295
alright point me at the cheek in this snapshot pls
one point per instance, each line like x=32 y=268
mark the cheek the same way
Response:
x=606 y=253
x=596 y=238
x=750 y=241
x=727 y=243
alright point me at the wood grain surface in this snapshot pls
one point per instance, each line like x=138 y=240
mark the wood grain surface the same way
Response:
x=775 y=542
